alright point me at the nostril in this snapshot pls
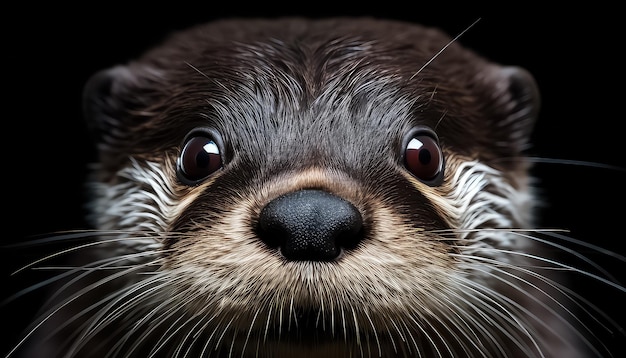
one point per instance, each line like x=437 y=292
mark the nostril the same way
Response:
x=310 y=225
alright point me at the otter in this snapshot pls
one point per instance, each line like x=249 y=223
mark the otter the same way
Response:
x=293 y=187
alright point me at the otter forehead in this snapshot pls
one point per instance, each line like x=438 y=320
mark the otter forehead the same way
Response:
x=284 y=125
x=279 y=106
x=301 y=92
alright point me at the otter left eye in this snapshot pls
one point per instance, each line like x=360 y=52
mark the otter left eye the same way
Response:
x=199 y=158
x=423 y=158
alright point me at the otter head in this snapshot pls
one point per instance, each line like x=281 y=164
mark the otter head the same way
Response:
x=316 y=187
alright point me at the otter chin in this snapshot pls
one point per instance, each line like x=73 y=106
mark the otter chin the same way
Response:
x=340 y=187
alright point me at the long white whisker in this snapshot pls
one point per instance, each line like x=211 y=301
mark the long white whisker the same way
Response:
x=71 y=299
x=569 y=251
x=576 y=162
x=587 y=245
x=574 y=297
x=73 y=249
x=245 y=343
x=532 y=297
x=444 y=48
x=571 y=268
x=96 y=321
x=497 y=301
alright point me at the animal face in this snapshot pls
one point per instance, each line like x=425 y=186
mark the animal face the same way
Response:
x=338 y=187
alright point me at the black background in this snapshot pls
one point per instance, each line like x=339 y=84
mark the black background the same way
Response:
x=574 y=53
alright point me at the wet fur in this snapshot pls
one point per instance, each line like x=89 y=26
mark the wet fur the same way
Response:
x=453 y=269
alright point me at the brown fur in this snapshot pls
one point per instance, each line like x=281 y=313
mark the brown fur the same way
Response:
x=442 y=267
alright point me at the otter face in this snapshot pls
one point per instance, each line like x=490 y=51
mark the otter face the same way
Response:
x=271 y=188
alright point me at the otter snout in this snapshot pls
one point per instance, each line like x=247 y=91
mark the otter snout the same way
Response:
x=310 y=225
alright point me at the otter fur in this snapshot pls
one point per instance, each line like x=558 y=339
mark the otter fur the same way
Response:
x=341 y=187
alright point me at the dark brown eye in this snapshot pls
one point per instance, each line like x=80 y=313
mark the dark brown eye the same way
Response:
x=423 y=158
x=199 y=158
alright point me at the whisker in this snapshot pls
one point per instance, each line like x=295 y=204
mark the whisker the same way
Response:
x=428 y=337
x=555 y=233
x=62 y=236
x=498 y=267
x=192 y=334
x=410 y=335
x=587 y=245
x=444 y=48
x=86 y=271
x=107 y=319
x=498 y=304
x=166 y=337
x=574 y=297
x=80 y=247
x=50 y=313
x=582 y=163
x=461 y=318
x=245 y=343
x=567 y=267
x=374 y=331
x=135 y=293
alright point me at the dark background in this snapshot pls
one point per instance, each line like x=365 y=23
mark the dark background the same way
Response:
x=574 y=53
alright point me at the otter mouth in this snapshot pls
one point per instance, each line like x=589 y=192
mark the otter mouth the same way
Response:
x=316 y=326
x=308 y=327
x=305 y=326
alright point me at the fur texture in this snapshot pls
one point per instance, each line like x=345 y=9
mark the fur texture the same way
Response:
x=451 y=267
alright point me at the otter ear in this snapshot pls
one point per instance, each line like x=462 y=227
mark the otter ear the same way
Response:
x=520 y=102
x=102 y=108
x=111 y=100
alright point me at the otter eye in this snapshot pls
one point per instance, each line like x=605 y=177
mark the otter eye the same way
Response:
x=199 y=158
x=423 y=158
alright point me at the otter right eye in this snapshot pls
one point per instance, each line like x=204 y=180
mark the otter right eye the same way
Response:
x=199 y=158
x=423 y=156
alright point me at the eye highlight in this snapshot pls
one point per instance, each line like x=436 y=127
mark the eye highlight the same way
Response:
x=423 y=157
x=199 y=158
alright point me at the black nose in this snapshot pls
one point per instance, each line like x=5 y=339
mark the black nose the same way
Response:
x=311 y=225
